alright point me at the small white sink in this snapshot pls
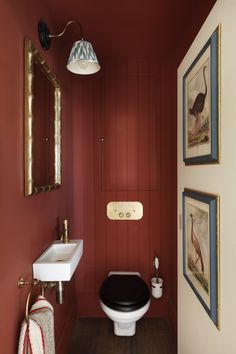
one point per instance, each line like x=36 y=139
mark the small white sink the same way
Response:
x=59 y=261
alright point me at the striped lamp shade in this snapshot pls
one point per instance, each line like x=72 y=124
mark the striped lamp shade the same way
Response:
x=82 y=59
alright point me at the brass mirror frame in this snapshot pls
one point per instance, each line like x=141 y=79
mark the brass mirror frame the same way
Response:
x=31 y=55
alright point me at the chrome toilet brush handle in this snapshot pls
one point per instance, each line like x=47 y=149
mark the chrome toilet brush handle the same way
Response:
x=156 y=266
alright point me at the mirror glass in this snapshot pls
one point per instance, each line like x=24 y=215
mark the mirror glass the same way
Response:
x=42 y=124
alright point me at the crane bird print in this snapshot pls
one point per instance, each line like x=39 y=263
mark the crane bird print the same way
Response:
x=198 y=107
x=198 y=245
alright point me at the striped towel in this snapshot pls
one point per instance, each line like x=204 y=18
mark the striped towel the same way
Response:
x=38 y=336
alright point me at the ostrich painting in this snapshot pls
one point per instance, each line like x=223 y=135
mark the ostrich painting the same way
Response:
x=196 y=246
x=199 y=101
x=198 y=108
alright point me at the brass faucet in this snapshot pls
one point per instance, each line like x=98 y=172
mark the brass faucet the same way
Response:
x=65 y=233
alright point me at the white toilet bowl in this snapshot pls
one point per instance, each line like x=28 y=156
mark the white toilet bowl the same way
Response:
x=125 y=298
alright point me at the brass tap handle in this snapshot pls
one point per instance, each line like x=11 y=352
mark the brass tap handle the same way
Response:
x=65 y=234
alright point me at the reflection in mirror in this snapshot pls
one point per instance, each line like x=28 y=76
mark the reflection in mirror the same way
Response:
x=42 y=124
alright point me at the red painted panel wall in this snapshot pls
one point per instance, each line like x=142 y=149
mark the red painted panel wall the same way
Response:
x=168 y=182
x=129 y=131
x=28 y=224
x=128 y=118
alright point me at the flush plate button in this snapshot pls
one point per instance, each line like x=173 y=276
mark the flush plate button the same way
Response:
x=124 y=210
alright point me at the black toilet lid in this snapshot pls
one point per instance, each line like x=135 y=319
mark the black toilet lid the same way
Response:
x=124 y=292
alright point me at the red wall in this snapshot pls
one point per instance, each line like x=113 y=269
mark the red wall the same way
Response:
x=28 y=224
x=169 y=180
x=122 y=106
x=133 y=107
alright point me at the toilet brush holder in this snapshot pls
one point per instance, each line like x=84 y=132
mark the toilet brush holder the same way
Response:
x=157 y=288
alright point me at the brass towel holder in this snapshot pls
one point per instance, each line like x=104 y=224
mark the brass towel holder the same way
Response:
x=21 y=282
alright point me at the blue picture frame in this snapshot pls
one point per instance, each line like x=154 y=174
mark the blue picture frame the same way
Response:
x=201 y=106
x=201 y=248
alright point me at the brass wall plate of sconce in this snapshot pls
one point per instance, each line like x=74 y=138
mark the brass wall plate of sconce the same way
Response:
x=42 y=124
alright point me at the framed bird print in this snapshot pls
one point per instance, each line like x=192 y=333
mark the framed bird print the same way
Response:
x=201 y=109
x=201 y=248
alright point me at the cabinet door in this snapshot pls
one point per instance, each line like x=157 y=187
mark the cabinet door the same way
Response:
x=129 y=131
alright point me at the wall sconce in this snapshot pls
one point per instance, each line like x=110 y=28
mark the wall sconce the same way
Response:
x=82 y=59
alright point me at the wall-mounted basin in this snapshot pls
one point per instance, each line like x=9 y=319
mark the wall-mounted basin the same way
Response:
x=59 y=261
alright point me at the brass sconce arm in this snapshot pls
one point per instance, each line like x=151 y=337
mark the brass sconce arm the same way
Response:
x=45 y=35
x=65 y=28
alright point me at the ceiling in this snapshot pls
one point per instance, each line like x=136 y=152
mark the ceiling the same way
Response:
x=127 y=27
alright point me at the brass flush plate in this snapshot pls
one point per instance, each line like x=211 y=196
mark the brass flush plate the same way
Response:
x=124 y=210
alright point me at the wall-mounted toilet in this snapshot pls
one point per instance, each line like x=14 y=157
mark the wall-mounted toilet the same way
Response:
x=125 y=298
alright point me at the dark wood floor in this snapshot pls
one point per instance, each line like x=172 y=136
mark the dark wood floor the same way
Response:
x=95 y=336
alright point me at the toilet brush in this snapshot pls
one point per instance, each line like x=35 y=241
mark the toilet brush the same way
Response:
x=156 y=266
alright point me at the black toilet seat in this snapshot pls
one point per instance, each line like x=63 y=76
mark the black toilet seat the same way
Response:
x=124 y=292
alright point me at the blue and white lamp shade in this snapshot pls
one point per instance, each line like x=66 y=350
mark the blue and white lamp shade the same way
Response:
x=82 y=59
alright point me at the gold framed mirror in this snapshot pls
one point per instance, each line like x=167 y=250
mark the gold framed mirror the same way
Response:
x=42 y=124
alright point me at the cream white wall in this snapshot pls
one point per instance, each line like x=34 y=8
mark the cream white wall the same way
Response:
x=196 y=332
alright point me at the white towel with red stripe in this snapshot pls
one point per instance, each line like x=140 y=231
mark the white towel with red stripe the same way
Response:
x=37 y=337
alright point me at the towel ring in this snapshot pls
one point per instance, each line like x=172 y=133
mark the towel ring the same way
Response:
x=35 y=282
